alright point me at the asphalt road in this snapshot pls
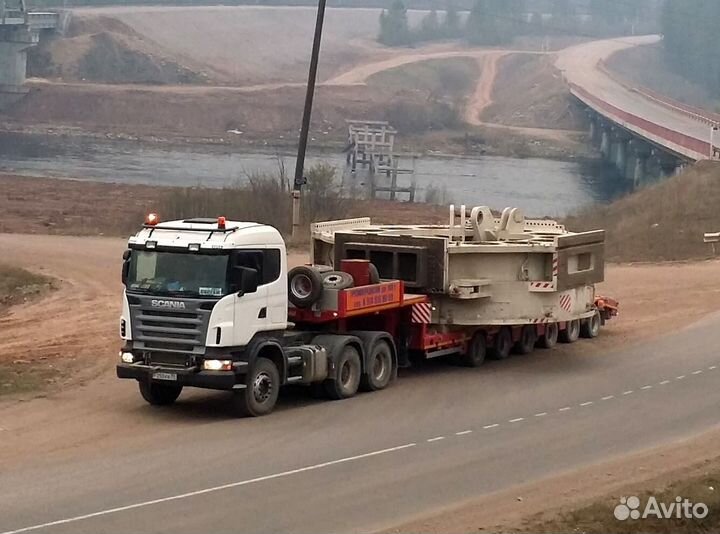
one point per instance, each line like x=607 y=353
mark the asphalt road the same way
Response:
x=438 y=436
x=579 y=65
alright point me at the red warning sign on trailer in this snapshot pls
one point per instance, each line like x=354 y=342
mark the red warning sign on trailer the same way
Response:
x=372 y=296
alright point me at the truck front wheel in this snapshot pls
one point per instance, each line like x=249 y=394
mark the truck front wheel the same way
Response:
x=261 y=391
x=346 y=377
x=159 y=394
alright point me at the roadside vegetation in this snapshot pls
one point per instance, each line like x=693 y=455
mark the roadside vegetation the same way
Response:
x=660 y=222
x=18 y=286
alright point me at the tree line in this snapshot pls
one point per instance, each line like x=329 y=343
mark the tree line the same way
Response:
x=691 y=43
x=496 y=22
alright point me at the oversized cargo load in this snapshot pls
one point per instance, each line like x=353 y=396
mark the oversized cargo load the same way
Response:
x=478 y=269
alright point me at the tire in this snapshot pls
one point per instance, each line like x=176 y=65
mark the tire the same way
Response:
x=159 y=394
x=380 y=367
x=337 y=280
x=346 y=380
x=502 y=345
x=571 y=332
x=590 y=328
x=476 y=350
x=374 y=274
x=305 y=286
x=550 y=338
x=528 y=338
x=261 y=394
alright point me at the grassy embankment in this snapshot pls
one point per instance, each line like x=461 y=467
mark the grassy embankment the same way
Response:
x=18 y=286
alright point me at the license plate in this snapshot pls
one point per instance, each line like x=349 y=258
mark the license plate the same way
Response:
x=165 y=376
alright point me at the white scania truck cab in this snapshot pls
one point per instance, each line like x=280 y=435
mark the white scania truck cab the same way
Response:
x=205 y=304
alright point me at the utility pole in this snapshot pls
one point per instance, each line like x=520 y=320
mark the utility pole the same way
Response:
x=300 y=179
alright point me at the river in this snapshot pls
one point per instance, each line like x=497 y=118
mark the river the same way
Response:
x=539 y=186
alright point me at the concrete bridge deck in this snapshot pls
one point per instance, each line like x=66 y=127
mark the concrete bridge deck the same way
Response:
x=680 y=130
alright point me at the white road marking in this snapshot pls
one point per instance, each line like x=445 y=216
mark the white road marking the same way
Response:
x=516 y=420
x=541 y=414
x=209 y=490
x=664 y=382
x=588 y=403
x=608 y=397
x=565 y=409
x=491 y=426
x=712 y=367
x=699 y=371
x=435 y=439
x=463 y=433
x=646 y=387
x=679 y=377
x=628 y=392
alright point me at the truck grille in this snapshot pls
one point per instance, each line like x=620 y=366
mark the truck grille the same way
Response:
x=163 y=331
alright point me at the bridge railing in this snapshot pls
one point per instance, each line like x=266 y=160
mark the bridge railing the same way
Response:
x=684 y=144
x=695 y=113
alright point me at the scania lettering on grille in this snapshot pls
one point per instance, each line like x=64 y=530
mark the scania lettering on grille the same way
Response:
x=172 y=304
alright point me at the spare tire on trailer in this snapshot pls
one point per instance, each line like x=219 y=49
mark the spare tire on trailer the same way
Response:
x=305 y=286
x=337 y=280
x=374 y=274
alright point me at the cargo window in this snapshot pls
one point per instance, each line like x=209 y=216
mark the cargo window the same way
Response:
x=384 y=263
x=407 y=267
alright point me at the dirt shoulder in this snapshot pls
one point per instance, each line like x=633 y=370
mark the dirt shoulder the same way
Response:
x=583 y=500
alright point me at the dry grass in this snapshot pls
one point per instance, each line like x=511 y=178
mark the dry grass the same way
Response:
x=18 y=285
x=664 y=221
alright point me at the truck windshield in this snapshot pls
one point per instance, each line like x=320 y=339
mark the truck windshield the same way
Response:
x=181 y=274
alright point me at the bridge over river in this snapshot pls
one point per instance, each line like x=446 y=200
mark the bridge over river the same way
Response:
x=643 y=133
x=19 y=30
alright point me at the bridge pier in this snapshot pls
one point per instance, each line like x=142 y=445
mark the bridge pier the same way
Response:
x=14 y=43
x=605 y=146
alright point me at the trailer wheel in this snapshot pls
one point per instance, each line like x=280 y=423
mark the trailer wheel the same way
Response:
x=337 y=280
x=305 y=285
x=261 y=393
x=549 y=339
x=503 y=344
x=526 y=343
x=346 y=379
x=571 y=332
x=159 y=394
x=380 y=367
x=476 y=350
x=590 y=327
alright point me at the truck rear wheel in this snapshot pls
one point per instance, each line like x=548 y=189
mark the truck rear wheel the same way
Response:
x=476 y=351
x=571 y=332
x=503 y=344
x=528 y=337
x=549 y=339
x=346 y=379
x=590 y=327
x=261 y=391
x=159 y=394
x=380 y=367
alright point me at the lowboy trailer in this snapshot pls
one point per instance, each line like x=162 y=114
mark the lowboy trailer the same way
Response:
x=210 y=303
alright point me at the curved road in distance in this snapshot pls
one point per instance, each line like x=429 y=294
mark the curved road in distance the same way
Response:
x=580 y=65
x=437 y=437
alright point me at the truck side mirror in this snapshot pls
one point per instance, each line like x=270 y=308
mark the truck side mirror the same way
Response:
x=247 y=280
x=126 y=266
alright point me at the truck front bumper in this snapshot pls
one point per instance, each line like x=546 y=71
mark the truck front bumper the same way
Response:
x=225 y=380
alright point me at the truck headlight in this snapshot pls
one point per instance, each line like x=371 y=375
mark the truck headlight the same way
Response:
x=217 y=365
x=127 y=357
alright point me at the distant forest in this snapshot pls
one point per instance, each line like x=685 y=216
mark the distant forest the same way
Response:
x=692 y=42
